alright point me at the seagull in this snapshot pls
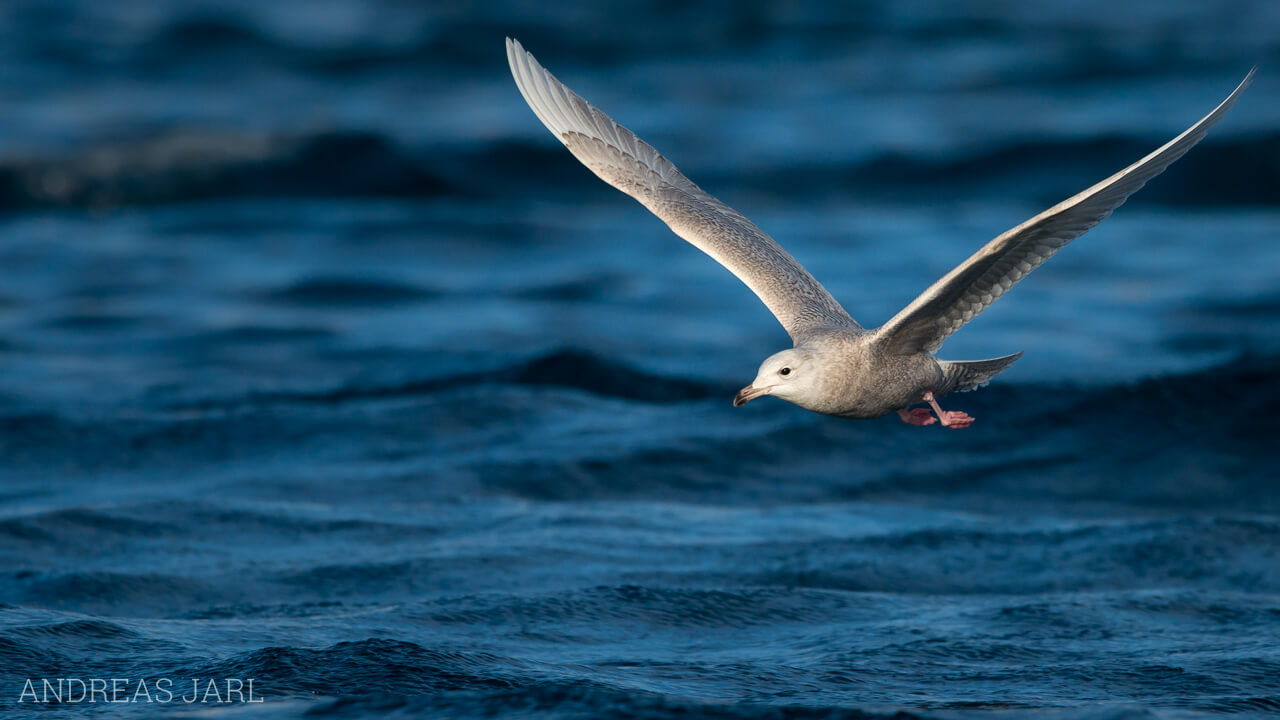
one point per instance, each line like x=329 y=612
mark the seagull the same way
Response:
x=836 y=366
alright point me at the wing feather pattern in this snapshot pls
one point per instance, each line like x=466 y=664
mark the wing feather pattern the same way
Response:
x=977 y=282
x=633 y=166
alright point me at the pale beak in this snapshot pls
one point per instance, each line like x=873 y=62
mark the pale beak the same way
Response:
x=749 y=393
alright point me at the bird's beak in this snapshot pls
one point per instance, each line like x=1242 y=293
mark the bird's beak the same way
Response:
x=749 y=393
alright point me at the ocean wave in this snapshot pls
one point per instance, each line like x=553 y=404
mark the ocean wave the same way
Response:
x=1114 y=567
x=190 y=166
x=84 y=628
x=328 y=291
x=366 y=667
x=1161 y=554
x=103 y=591
x=62 y=524
x=1046 y=170
x=566 y=368
x=1204 y=391
x=80 y=529
x=1073 y=439
x=1242 y=168
x=377 y=675
x=655 y=606
x=254 y=335
x=582 y=699
x=187 y=166
x=407 y=37
x=21 y=655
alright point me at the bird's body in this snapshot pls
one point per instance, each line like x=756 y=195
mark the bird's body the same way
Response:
x=858 y=378
x=836 y=366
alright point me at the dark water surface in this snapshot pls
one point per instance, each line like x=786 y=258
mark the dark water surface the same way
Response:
x=323 y=364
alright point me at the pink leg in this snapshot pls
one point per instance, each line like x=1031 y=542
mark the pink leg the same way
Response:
x=950 y=418
x=919 y=416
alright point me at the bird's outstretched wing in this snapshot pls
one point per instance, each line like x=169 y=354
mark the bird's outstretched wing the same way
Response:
x=976 y=283
x=631 y=165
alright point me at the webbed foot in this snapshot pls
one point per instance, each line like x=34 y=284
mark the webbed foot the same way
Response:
x=956 y=419
x=918 y=416
x=950 y=418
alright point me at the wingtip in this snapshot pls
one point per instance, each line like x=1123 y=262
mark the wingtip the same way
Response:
x=513 y=47
x=1248 y=78
x=1235 y=94
x=517 y=57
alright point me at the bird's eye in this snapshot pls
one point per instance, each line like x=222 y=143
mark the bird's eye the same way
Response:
x=784 y=371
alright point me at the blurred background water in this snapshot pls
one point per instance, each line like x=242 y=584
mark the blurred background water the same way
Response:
x=323 y=364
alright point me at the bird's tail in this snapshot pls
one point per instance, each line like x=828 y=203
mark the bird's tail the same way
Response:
x=965 y=375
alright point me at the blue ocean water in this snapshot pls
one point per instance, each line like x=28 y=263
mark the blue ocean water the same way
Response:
x=323 y=365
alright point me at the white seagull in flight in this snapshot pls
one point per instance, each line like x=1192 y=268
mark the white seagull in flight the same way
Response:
x=836 y=366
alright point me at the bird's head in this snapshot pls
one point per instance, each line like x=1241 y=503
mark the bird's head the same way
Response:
x=790 y=375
